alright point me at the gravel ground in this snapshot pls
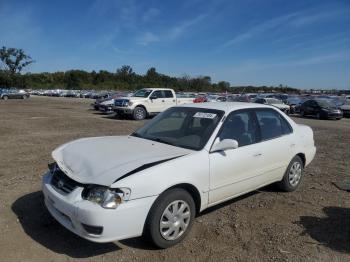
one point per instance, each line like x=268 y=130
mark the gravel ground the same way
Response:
x=311 y=224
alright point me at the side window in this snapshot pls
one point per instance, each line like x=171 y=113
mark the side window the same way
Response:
x=240 y=126
x=157 y=94
x=271 y=124
x=286 y=128
x=168 y=94
x=259 y=101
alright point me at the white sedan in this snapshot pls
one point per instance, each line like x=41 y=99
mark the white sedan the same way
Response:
x=188 y=158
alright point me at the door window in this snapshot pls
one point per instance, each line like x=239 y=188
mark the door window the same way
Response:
x=158 y=94
x=272 y=124
x=168 y=94
x=240 y=126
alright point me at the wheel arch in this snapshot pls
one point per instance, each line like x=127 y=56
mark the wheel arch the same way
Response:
x=193 y=191
x=190 y=188
x=303 y=158
x=141 y=105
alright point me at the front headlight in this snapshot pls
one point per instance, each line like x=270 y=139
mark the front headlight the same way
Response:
x=106 y=197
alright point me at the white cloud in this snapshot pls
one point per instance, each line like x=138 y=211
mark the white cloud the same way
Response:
x=180 y=29
x=296 y=19
x=148 y=38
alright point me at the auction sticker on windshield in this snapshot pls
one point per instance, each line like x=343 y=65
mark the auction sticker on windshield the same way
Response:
x=204 y=115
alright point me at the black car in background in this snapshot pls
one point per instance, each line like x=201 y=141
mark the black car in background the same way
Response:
x=13 y=94
x=321 y=109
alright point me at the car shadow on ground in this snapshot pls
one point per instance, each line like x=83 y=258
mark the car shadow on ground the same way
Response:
x=332 y=231
x=44 y=229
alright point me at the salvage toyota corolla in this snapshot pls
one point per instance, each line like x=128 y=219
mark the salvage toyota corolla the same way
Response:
x=188 y=158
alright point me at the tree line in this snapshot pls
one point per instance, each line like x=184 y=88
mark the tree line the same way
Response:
x=13 y=61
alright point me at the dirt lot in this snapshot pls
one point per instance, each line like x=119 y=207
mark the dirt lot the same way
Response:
x=311 y=224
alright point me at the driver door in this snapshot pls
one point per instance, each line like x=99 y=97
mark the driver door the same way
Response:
x=156 y=101
x=236 y=171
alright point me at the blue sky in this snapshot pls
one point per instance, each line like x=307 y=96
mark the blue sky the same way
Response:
x=304 y=44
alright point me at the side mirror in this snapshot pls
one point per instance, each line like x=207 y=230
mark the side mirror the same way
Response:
x=225 y=144
x=153 y=97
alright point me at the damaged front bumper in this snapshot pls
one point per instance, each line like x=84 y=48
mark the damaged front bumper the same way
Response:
x=90 y=220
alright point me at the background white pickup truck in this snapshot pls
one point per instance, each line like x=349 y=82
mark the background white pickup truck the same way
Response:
x=148 y=101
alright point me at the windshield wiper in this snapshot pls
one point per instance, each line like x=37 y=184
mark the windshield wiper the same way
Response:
x=136 y=135
x=157 y=139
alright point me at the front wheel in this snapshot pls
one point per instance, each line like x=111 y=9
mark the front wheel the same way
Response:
x=292 y=177
x=171 y=218
x=139 y=113
x=5 y=97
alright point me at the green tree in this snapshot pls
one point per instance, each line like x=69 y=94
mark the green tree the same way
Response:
x=14 y=60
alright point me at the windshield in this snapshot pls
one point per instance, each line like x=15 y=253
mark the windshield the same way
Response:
x=274 y=101
x=185 y=127
x=142 y=93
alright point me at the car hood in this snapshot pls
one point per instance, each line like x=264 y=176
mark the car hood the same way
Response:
x=345 y=107
x=107 y=102
x=280 y=105
x=103 y=160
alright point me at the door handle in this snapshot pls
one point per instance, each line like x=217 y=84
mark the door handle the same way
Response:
x=292 y=145
x=257 y=154
x=163 y=101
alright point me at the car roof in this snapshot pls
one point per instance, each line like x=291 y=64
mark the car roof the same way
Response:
x=157 y=88
x=225 y=106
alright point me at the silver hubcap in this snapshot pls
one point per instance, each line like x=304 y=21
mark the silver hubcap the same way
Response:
x=174 y=220
x=139 y=114
x=295 y=174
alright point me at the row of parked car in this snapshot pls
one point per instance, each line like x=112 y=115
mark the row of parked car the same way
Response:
x=150 y=101
x=73 y=93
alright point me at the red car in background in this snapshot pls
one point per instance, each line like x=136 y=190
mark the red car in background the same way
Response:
x=200 y=99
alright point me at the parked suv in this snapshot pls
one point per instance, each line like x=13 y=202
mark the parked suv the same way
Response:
x=321 y=109
x=148 y=101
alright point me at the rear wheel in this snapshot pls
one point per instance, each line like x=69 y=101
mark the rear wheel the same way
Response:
x=293 y=175
x=171 y=218
x=139 y=113
x=318 y=115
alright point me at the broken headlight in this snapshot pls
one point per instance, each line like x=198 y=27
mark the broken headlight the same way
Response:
x=106 y=197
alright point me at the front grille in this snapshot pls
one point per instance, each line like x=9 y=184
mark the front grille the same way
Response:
x=62 y=182
x=121 y=102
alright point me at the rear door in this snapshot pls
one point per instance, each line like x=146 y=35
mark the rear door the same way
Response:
x=276 y=141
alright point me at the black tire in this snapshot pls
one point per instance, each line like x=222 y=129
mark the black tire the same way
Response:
x=152 y=227
x=5 y=97
x=139 y=113
x=302 y=113
x=318 y=116
x=286 y=184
